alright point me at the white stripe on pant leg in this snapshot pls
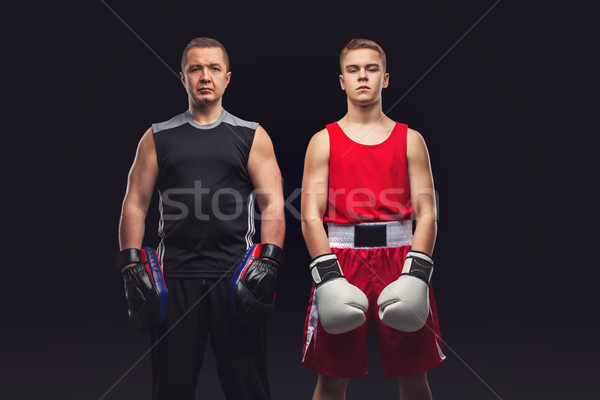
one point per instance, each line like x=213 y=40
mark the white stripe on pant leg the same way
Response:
x=251 y=226
x=161 y=232
x=313 y=323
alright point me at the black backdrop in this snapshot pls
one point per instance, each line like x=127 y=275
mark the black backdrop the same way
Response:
x=508 y=115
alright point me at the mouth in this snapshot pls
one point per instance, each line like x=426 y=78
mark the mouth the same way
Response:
x=363 y=88
x=205 y=89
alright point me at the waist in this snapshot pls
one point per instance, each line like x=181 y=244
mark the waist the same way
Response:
x=370 y=235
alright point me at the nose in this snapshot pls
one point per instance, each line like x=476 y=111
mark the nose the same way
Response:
x=205 y=76
x=362 y=74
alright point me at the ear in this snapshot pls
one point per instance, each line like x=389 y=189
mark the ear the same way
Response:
x=182 y=77
x=342 y=82
x=386 y=80
x=227 y=78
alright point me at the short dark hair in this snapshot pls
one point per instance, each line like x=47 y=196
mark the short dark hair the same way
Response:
x=203 y=42
x=361 y=43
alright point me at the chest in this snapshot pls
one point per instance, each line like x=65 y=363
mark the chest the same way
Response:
x=190 y=156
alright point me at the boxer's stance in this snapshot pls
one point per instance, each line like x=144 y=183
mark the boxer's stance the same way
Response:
x=208 y=167
x=367 y=177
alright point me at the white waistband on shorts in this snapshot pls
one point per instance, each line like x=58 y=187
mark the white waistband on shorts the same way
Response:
x=398 y=233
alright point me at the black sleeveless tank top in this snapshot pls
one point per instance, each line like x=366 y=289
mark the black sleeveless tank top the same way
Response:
x=206 y=199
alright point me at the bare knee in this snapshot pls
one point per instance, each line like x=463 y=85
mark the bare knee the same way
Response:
x=413 y=380
x=330 y=388
x=414 y=387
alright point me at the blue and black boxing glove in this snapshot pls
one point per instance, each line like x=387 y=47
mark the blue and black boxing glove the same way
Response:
x=145 y=289
x=252 y=288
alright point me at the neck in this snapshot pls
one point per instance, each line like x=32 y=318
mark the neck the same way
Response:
x=364 y=114
x=205 y=113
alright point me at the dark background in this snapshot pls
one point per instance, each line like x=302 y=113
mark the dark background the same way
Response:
x=508 y=115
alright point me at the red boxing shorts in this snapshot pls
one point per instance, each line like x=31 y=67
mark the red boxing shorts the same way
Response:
x=371 y=269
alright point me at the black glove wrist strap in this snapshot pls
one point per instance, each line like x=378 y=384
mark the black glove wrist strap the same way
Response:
x=420 y=254
x=128 y=256
x=421 y=265
x=272 y=252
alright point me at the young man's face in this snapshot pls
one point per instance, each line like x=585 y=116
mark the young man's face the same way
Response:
x=362 y=76
x=205 y=75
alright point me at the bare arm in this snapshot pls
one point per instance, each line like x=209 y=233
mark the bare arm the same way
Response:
x=266 y=178
x=315 y=185
x=140 y=185
x=422 y=193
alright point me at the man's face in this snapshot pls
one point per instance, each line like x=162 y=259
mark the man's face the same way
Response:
x=362 y=76
x=205 y=75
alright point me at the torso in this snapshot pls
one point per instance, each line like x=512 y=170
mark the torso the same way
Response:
x=205 y=194
x=368 y=174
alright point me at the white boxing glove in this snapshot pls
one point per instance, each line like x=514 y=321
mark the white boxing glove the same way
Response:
x=341 y=306
x=404 y=303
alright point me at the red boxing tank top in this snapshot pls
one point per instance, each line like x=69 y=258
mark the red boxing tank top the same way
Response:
x=368 y=183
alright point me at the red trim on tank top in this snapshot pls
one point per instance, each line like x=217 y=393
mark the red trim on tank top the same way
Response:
x=397 y=126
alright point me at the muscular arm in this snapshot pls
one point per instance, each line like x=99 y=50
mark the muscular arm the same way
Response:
x=266 y=178
x=422 y=193
x=314 y=194
x=140 y=185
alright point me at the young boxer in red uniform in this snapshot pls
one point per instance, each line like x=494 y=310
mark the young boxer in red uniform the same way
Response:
x=367 y=177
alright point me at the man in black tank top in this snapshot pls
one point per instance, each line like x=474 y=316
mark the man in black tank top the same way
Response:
x=209 y=167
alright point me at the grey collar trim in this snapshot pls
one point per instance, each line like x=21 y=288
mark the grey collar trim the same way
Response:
x=189 y=119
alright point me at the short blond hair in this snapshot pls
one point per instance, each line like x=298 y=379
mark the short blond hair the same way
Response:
x=361 y=43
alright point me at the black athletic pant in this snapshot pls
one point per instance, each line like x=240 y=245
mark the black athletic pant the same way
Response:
x=240 y=352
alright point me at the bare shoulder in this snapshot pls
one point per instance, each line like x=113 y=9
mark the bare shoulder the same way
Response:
x=261 y=132
x=322 y=135
x=148 y=135
x=320 y=139
x=262 y=146
x=145 y=165
x=261 y=136
x=414 y=136
x=317 y=152
x=416 y=148
x=146 y=144
x=415 y=141
x=318 y=147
